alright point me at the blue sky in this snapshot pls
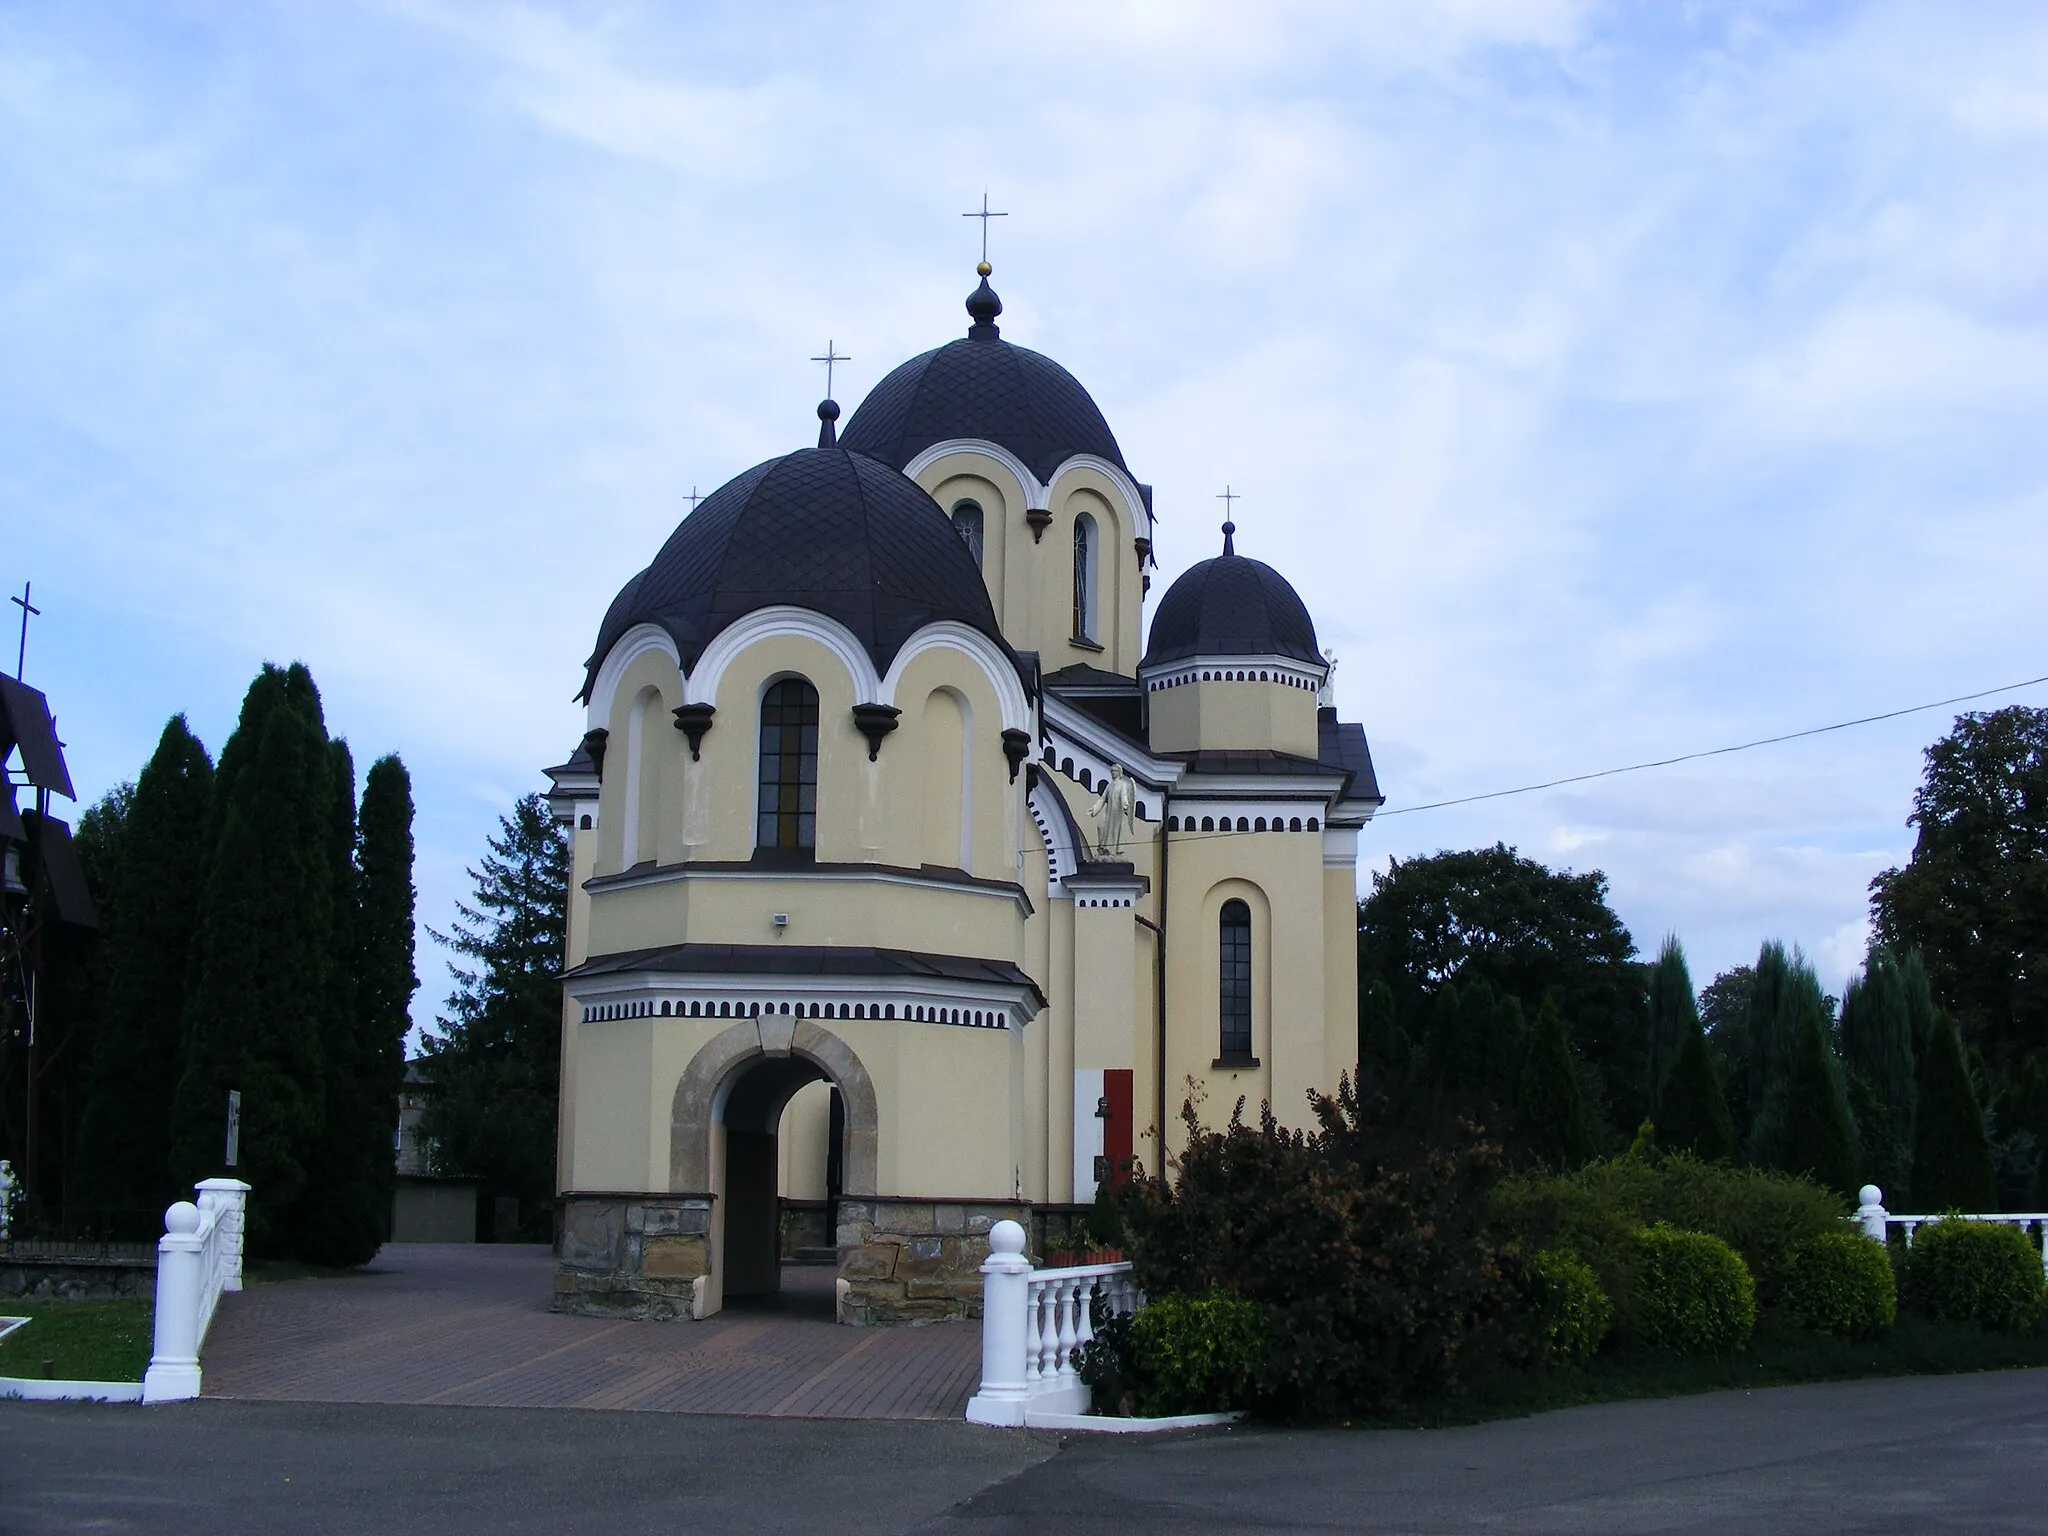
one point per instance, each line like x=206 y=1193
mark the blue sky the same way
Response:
x=1613 y=381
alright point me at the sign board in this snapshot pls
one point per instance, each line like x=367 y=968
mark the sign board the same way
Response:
x=234 y=1126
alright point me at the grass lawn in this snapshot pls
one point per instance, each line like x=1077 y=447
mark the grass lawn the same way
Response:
x=1780 y=1354
x=82 y=1340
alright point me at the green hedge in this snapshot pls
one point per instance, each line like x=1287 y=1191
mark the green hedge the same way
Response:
x=1841 y=1283
x=1982 y=1270
x=1694 y=1293
x=1179 y=1354
x=1575 y=1313
x=1597 y=1210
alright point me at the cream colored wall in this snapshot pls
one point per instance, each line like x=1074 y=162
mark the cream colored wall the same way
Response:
x=1209 y=716
x=737 y=908
x=964 y=1142
x=803 y=1142
x=1279 y=875
x=583 y=846
x=1030 y=581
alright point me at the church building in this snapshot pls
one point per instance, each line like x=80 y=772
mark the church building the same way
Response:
x=915 y=883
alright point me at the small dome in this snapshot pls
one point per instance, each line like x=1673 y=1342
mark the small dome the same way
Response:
x=822 y=528
x=982 y=387
x=1231 y=606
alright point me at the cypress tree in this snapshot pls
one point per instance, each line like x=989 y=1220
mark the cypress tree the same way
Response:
x=1381 y=1040
x=1554 y=1122
x=1952 y=1167
x=1771 y=1038
x=1820 y=1137
x=1920 y=1009
x=348 y=1201
x=1694 y=1114
x=1444 y=1043
x=263 y=962
x=1510 y=1049
x=1674 y=1014
x=124 y=1144
x=1878 y=1049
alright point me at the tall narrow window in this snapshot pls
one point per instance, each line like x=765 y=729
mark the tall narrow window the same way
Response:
x=1234 y=982
x=1084 y=577
x=788 y=807
x=967 y=523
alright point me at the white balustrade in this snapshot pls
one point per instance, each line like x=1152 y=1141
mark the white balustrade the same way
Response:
x=198 y=1257
x=1877 y=1222
x=1034 y=1325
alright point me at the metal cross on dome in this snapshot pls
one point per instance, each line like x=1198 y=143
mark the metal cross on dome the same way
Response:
x=1228 y=496
x=28 y=610
x=831 y=356
x=984 y=215
x=694 y=498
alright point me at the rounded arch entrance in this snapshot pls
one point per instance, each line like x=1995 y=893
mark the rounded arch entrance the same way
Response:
x=722 y=1138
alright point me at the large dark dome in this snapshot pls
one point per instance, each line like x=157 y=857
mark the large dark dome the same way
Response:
x=822 y=528
x=1231 y=606
x=984 y=388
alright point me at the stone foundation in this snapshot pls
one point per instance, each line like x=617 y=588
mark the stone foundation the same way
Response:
x=76 y=1279
x=915 y=1261
x=632 y=1256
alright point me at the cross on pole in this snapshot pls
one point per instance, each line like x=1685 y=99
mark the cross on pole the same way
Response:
x=1227 y=497
x=828 y=360
x=694 y=498
x=28 y=609
x=984 y=215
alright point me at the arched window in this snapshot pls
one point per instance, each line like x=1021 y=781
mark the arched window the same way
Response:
x=1084 y=577
x=1234 y=982
x=967 y=523
x=787 y=820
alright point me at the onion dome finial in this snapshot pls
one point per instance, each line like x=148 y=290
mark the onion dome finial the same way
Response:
x=983 y=306
x=828 y=413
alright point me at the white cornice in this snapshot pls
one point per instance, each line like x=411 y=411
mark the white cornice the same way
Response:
x=701 y=686
x=1192 y=669
x=628 y=648
x=1073 y=732
x=1037 y=493
x=951 y=634
x=912 y=1001
x=670 y=874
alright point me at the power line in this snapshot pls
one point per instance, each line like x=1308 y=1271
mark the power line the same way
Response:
x=1689 y=757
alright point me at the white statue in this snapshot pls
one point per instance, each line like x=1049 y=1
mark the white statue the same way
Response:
x=1113 y=808
x=1326 y=694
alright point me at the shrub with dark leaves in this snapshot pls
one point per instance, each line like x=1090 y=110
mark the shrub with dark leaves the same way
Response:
x=1364 y=1242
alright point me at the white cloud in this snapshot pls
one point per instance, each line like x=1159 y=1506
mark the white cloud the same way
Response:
x=1612 y=382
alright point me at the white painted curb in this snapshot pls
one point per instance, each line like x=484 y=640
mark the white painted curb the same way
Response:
x=1104 y=1424
x=36 y=1389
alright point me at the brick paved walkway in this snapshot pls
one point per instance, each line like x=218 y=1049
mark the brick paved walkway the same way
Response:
x=432 y=1323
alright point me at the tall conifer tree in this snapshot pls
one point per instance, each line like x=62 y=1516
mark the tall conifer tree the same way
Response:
x=496 y=1069
x=1819 y=1135
x=1693 y=1114
x=125 y=1132
x=1771 y=1036
x=1554 y=1122
x=1878 y=1049
x=1674 y=1014
x=263 y=962
x=1952 y=1166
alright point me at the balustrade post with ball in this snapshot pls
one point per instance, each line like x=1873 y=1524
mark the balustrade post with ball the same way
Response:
x=173 y=1372
x=1006 y=1282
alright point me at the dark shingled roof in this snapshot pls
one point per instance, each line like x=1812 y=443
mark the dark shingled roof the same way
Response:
x=822 y=528
x=982 y=387
x=1231 y=606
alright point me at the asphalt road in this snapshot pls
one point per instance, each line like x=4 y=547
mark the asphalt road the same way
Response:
x=1961 y=1453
